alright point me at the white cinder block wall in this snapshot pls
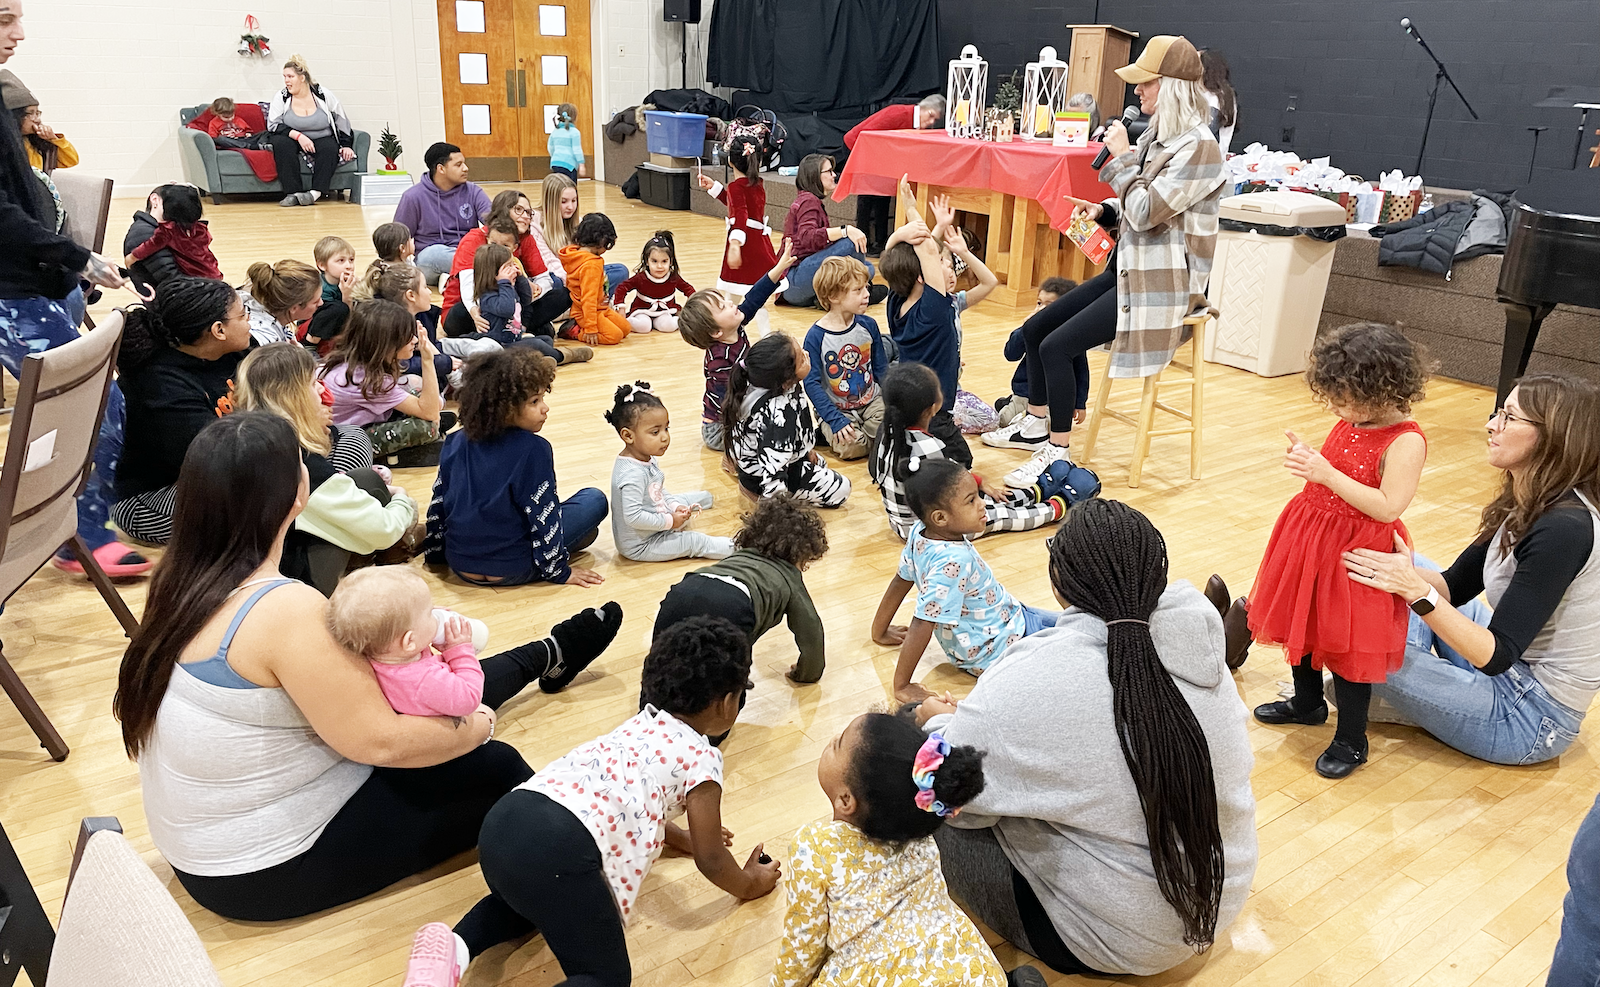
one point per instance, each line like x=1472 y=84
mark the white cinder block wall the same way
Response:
x=111 y=74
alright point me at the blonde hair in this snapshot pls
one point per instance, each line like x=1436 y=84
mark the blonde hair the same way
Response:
x=1180 y=107
x=277 y=379
x=330 y=247
x=298 y=63
x=282 y=286
x=373 y=607
x=696 y=322
x=835 y=276
x=557 y=231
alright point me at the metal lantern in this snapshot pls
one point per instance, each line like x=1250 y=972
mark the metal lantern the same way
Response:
x=966 y=92
x=1044 y=91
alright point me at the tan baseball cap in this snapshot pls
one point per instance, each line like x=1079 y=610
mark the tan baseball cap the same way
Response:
x=1168 y=55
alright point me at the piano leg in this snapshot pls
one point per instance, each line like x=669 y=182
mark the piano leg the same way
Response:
x=1522 y=331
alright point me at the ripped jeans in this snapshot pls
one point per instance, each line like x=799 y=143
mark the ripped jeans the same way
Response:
x=1504 y=719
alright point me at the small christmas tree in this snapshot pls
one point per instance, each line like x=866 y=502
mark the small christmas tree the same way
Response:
x=389 y=148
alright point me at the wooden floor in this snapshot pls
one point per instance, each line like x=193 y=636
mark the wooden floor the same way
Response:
x=1425 y=867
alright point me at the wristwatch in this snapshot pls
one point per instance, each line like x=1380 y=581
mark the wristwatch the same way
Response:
x=1425 y=606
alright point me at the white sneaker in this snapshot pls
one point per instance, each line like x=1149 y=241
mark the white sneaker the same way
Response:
x=1027 y=474
x=1026 y=432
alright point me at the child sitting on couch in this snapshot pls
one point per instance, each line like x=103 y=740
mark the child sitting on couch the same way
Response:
x=228 y=130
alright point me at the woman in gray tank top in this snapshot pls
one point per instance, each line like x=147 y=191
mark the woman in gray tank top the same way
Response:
x=307 y=119
x=277 y=780
x=1510 y=685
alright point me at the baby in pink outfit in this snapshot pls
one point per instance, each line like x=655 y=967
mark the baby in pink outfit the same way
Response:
x=426 y=659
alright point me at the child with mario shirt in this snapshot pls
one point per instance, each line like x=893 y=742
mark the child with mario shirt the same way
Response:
x=848 y=360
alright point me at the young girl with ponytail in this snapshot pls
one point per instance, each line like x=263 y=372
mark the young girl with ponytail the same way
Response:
x=867 y=899
x=911 y=397
x=768 y=428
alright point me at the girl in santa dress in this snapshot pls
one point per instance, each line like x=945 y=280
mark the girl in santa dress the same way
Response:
x=655 y=285
x=1357 y=486
x=749 y=252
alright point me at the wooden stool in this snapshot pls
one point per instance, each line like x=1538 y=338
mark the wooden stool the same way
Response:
x=1150 y=402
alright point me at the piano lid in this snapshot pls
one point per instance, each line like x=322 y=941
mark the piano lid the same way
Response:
x=1553 y=253
x=1564 y=192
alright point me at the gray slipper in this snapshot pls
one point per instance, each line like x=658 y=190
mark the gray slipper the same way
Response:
x=306 y=198
x=292 y=199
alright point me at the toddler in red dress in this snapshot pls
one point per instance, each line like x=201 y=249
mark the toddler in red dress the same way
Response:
x=1357 y=486
x=656 y=284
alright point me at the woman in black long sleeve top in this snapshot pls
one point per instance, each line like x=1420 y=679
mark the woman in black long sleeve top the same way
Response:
x=1513 y=687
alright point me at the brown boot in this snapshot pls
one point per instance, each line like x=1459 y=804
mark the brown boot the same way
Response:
x=1236 y=633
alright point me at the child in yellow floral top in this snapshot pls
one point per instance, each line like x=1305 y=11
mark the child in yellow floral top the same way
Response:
x=867 y=900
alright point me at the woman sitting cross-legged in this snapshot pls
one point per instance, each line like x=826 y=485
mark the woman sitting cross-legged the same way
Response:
x=179 y=357
x=276 y=778
x=815 y=239
x=1116 y=827
x=1511 y=686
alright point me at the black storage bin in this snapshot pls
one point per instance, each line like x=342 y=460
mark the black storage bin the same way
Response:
x=667 y=188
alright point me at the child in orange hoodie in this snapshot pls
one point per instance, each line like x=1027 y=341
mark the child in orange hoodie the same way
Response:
x=597 y=323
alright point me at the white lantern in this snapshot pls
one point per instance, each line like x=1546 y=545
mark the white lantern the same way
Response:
x=1044 y=91
x=966 y=92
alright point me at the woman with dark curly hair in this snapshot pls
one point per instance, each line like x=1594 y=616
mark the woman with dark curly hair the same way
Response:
x=495 y=518
x=566 y=852
x=1357 y=486
x=761 y=582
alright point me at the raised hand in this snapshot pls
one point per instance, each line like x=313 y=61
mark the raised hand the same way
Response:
x=944 y=214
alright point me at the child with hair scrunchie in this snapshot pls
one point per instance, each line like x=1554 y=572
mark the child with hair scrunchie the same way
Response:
x=867 y=898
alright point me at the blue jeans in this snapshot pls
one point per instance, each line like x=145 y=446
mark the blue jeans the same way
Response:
x=799 y=292
x=615 y=275
x=1036 y=619
x=571 y=173
x=1577 y=959
x=1504 y=719
x=434 y=261
x=36 y=324
x=581 y=515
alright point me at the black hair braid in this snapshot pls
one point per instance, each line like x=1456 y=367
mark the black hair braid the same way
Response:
x=909 y=389
x=184 y=308
x=1110 y=561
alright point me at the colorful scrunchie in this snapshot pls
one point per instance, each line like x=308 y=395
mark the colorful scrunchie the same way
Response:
x=934 y=750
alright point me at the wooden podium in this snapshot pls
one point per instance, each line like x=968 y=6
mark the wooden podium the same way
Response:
x=1098 y=50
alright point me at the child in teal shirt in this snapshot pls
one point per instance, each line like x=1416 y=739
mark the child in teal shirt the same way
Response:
x=566 y=144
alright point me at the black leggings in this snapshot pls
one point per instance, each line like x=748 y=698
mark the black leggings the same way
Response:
x=1354 y=699
x=400 y=822
x=1073 y=324
x=873 y=213
x=286 y=152
x=545 y=873
x=536 y=318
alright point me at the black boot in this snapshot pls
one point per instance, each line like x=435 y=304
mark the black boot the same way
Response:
x=580 y=639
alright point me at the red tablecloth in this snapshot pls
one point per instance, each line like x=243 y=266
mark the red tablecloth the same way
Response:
x=1034 y=171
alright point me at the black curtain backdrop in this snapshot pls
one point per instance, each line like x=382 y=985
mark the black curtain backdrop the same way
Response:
x=841 y=56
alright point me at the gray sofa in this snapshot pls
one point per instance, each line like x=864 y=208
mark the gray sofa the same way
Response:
x=222 y=173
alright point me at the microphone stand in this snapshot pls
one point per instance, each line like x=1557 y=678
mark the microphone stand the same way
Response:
x=1442 y=74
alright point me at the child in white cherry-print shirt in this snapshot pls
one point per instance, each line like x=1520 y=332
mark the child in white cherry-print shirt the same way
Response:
x=566 y=852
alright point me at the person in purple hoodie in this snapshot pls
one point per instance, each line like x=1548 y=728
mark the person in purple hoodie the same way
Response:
x=441 y=209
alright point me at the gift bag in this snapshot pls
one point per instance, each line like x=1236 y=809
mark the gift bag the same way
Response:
x=1399 y=208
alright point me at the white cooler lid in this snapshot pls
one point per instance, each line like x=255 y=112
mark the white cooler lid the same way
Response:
x=1283 y=209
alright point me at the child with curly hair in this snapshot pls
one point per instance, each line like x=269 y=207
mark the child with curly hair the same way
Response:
x=761 y=583
x=1367 y=374
x=565 y=853
x=495 y=518
x=647 y=523
x=867 y=898
x=595 y=322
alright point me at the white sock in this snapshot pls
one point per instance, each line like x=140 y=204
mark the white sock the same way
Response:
x=1033 y=427
x=315 y=195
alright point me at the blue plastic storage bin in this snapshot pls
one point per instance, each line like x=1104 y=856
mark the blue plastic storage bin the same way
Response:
x=682 y=135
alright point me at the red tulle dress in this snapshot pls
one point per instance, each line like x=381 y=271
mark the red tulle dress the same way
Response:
x=747 y=226
x=1303 y=599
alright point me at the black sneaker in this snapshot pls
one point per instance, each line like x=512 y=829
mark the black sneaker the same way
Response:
x=447 y=421
x=876 y=293
x=580 y=639
x=416 y=457
x=1025 y=976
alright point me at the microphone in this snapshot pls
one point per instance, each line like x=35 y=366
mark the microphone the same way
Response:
x=1128 y=116
x=1405 y=22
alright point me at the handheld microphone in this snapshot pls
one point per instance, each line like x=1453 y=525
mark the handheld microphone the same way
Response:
x=1128 y=116
x=1405 y=22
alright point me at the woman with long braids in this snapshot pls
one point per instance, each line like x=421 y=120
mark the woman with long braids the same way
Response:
x=1116 y=828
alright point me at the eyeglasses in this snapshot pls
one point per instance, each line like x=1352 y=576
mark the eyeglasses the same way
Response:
x=521 y=211
x=1503 y=418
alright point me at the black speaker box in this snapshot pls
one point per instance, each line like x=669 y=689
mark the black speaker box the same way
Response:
x=681 y=10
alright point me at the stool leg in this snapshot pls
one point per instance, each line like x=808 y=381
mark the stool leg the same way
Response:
x=1141 y=436
x=1197 y=404
x=1102 y=395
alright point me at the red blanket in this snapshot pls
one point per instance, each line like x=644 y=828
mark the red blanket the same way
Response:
x=260 y=162
x=1035 y=171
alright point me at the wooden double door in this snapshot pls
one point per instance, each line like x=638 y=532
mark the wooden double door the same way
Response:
x=507 y=65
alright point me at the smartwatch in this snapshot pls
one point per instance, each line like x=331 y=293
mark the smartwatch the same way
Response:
x=1426 y=605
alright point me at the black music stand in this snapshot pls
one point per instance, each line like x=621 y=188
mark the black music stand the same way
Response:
x=1580 y=98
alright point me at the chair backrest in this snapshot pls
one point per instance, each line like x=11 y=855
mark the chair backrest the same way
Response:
x=53 y=430
x=87 y=201
x=120 y=927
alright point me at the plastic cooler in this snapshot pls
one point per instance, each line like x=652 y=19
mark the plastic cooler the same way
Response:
x=1269 y=281
x=682 y=135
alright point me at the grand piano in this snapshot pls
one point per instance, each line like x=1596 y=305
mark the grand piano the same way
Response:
x=1552 y=258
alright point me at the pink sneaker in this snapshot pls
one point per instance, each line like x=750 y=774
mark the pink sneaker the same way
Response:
x=433 y=960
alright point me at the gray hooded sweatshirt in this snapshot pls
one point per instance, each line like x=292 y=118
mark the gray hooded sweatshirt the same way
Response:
x=1061 y=799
